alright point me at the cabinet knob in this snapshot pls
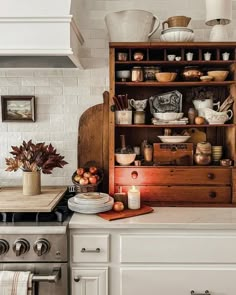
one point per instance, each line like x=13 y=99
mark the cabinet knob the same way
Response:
x=76 y=279
x=113 y=108
x=134 y=174
x=210 y=176
x=212 y=195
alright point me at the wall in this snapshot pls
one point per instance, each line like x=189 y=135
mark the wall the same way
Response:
x=64 y=94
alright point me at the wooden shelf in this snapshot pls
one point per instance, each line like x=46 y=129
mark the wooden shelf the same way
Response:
x=175 y=63
x=175 y=84
x=173 y=126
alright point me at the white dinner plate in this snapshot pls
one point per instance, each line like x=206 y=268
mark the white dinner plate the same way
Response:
x=91 y=198
x=90 y=209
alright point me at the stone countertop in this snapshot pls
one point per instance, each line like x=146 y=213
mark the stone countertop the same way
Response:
x=164 y=218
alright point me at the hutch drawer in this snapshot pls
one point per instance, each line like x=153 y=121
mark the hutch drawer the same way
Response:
x=167 y=176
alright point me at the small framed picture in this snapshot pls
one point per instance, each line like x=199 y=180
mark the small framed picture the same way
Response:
x=18 y=108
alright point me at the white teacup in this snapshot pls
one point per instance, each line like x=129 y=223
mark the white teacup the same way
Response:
x=171 y=57
x=139 y=105
x=214 y=117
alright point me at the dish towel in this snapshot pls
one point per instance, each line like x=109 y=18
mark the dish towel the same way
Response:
x=16 y=283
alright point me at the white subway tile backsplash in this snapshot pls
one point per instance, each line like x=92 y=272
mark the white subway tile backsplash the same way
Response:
x=62 y=95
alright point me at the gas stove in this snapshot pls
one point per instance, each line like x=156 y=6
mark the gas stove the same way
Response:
x=38 y=242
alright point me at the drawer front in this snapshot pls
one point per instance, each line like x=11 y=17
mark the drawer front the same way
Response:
x=193 y=194
x=90 y=248
x=178 y=280
x=177 y=249
x=168 y=176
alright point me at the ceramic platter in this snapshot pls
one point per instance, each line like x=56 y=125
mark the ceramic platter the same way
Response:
x=91 y=198
x=166 y=102
x=90 y=208
x=174 y=139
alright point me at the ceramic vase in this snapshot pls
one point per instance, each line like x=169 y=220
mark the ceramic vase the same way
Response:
x=31 y=183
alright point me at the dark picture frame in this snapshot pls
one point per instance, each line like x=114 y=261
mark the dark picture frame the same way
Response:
x=18 y=108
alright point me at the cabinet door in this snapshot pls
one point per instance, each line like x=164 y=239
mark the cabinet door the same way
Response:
x=89 y=281
x=178 y=280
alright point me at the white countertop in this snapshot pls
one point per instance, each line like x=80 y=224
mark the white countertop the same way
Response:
x=164 y=218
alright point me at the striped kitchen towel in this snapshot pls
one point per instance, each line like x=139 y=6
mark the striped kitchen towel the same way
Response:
x=16 y=283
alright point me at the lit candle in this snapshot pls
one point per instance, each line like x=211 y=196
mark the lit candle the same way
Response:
x=133 y=198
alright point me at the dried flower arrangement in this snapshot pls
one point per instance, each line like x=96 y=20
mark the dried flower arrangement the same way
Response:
x=32 y=157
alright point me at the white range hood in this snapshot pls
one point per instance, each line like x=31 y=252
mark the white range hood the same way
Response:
x=39 y=33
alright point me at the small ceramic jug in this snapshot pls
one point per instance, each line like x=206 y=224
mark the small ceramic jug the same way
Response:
x=139 y=105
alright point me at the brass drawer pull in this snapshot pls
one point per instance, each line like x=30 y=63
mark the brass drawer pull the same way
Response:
x=210 y=176
x=206 y=293
x=84 y=250
x=212 y=195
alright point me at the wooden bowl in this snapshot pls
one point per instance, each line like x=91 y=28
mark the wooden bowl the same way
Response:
x=218 y=75
x=165 y=76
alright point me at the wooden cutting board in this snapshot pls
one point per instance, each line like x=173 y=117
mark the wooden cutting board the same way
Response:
x=12 y=199
x=112 y=215
x=93 y=145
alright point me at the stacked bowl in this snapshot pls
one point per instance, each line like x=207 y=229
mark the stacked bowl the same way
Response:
x=177 y=30
x=217 y=152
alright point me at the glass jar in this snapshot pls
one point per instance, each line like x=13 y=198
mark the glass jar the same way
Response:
x=147 y=152
x=137 y=74
x=149 y=73
x=139 y=117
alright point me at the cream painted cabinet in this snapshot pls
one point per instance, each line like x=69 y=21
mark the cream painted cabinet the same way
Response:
x=144 y=261
x=86 y=281
x=178 y=280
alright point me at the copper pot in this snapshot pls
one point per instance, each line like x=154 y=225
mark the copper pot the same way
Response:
x=191 y=73
x=202 y=159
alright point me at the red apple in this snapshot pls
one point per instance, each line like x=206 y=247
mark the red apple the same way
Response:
x=93 y=179
x=83 y=181
x=87 y=174
x=97 y=176
x=77 y=178
x=80 y=171
x=93 y=169
x=118 y=206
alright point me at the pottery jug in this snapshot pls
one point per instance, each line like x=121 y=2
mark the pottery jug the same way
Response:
x=177 y=21
x=201 y=104
x=131 y=25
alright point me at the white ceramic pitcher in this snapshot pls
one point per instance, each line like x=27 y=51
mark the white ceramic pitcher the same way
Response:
x=131 y=25
x=200 y=105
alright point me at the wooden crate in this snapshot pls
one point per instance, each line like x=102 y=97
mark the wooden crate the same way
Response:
x=180 y=154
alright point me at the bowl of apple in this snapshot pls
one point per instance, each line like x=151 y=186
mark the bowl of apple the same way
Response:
x=87 y=179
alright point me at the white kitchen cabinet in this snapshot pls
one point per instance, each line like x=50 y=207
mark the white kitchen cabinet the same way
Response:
x=87 y=281
x=178 y=280
x=188 y=255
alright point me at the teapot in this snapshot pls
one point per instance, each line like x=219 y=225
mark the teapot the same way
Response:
x=202 y=104
x=139 y=105
x=214 y=117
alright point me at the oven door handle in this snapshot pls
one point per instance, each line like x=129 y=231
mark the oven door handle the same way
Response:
x=52 y=278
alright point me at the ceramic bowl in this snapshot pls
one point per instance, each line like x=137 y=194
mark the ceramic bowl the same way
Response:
x=174 y=139
x=125 y=159
x=123 y=75
x=218 y=75
x=177 y=34
x=165 y=76
x=168 y=116
x=206 y=78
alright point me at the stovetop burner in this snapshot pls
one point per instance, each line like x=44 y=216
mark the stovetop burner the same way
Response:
x=60 y=213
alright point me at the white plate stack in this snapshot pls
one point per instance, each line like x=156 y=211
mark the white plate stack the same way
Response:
x=91 y=203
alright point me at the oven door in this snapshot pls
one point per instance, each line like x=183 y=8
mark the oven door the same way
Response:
x=48 y=278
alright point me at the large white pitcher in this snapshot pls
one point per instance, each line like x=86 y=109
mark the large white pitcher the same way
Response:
x=201 y=105
x=131 y=25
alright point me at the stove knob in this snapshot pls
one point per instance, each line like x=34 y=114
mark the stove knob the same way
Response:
x=41 y=246
x=4 y=247
x=21 y=246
